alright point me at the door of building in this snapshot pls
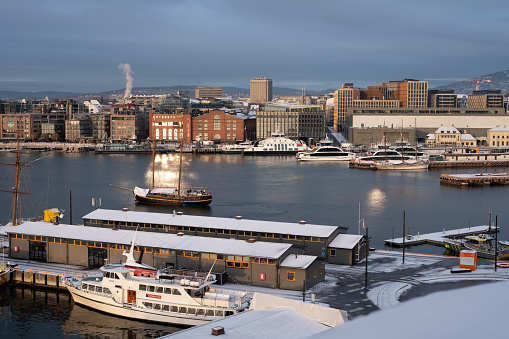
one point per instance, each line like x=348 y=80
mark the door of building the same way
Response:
x=97 y=256
x=38 y=251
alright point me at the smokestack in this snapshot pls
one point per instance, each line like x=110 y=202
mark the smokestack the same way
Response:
x=126 y=68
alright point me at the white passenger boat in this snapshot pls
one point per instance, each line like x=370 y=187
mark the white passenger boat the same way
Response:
x=138 y=291
x=277 y=144
x=237 y=148
x=325 y=151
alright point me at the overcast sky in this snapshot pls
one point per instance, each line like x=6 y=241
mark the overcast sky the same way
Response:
x=75 y=45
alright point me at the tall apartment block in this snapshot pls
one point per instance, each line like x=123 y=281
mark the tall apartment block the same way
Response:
x=393 y=94
x=260 y=90
x=208 y=92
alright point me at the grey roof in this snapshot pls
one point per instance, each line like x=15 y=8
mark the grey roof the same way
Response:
x=214 y=222
x=345 y=241
x=261 y=249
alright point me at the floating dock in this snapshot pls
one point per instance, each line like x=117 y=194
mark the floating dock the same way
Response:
x=475 y=179
x=437 y=238
x=467 y=163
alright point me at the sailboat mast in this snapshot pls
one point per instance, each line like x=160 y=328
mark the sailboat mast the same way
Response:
x=16 y=188
x=153 y=161
x=180 y=166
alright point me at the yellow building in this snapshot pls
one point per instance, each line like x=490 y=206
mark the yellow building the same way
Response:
x=498 y=136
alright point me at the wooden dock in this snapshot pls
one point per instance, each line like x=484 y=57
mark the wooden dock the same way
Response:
x=467 y=163
x=475 y=179
x=437 y=238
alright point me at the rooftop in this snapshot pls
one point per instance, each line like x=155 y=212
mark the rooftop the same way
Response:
x=214 y=222
x=270 y=250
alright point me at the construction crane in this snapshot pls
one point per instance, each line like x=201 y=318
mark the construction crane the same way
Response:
x=477 y=81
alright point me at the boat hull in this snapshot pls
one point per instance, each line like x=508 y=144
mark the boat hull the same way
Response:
x=325 y=158
x=198 y=200
x=5 y=276
x=271 y=152
x=107 y=305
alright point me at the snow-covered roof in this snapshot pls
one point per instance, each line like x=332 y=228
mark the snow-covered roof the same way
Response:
x=432 y=315
x=430 y=136
x=499 y=129
x=214 y=222
x=345 y=241
x=298 y=261
x=261 y=249
x=447 y=130
x=467 y=137
x=271 y=317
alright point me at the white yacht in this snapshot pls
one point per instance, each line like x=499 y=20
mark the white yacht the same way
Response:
x=277 y=144
x=138 y=291
x=237 y=148
x=325 y=151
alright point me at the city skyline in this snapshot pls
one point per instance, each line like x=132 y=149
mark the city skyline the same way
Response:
x=79 y=46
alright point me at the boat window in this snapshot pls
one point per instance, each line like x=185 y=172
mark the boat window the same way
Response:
x=200 y=311
x=210 y=313
x=99 y=289
x=182 y=309
x=174 y=309
x=191 y=310
x=219 y=314
x=157 y=306
x=143 y=287
x=151 y=288
x=147 y=305
x=106 y=290
x=116 y=276
x=228 y=313
x=166 y=308
x=176 y=291
x=159 y=289
x=167 y=291
x=84 y=286
x=91 y=288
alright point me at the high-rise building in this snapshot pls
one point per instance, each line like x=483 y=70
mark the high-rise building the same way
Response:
x=208 y=92
x=260 y=90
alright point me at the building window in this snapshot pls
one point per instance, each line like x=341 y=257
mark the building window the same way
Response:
x=332 y=252
x=290 y=276
x=217 y=122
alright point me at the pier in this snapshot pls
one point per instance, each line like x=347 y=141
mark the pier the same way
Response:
x=437 y=238
x=467 y=163
x=475 y=179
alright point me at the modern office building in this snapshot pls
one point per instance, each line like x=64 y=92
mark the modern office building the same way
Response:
x=208 y=92
x=486 y=99
x=295 y=121
x=442 y=98
x=260 y=90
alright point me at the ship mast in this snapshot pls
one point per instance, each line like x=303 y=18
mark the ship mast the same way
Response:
x=180 y=166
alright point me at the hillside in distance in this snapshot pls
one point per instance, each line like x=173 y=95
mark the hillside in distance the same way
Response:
x=499 y=81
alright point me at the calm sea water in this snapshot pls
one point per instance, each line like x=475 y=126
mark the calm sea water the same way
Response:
x=264 y=188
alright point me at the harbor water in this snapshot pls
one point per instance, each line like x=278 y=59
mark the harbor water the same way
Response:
x=275 y=188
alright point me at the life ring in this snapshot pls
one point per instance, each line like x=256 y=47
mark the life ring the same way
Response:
x=503 y=264
x=85 y=275
x=207 y=288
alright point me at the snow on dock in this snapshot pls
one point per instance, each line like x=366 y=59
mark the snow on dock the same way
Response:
x=437 y=238
x=475 y=179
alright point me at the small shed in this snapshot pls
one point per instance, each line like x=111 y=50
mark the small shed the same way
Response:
x=347 y=249
x=299 y=272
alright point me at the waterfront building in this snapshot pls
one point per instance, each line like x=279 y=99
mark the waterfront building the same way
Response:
x=32 y=126
x=220 y=126
x=260 y=90
x=361 y=122
x=266 y=264
x=100 y=126
x=498 y=136
x=305 y=122
x=208 y=92
x=170 y=127
x=486 y=99
x=79 y=128
x=450 y=136
x=312 y=239
x=128 y=125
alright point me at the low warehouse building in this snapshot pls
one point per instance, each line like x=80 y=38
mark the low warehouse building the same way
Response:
x=245 y=262
x=347 y=249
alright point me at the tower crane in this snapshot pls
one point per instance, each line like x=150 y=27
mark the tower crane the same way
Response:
x=477 y=81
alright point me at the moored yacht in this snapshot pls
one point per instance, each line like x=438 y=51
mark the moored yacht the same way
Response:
x=325 y=151
x=138 y=291
x=277 y=144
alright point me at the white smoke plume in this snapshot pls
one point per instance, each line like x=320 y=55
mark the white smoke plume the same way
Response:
x=126 y=68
